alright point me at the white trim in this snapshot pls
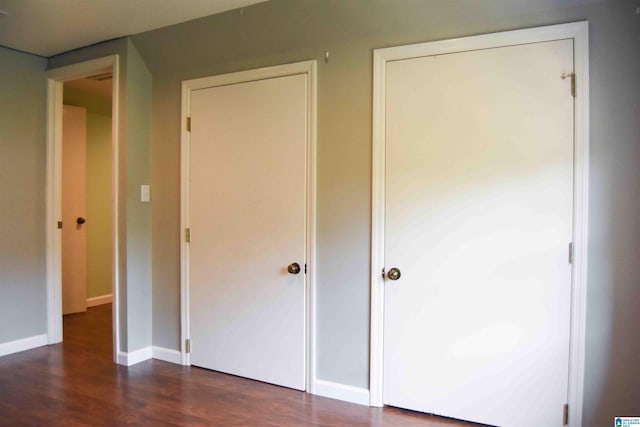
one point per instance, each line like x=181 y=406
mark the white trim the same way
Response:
x=23 y=344
x=376 y=328
x=54 y=212
x=579 y=33
x=133 y=357
x=166 y=355
x=146 y=353
x=343 y=392
x=103 y=299
x=310 y=354
x=581 y=226
x=310 y=69
x=55 y=80
x=185 y=332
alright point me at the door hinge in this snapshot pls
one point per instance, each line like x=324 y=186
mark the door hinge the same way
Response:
x=187 y=235
x=565 y=414
x=59 y=225
x=187 y=346
x=305 y=269
x=188 y=124
x=571 y=76
x=571 y=253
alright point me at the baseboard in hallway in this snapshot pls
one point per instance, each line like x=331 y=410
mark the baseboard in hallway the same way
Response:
x=102 y=299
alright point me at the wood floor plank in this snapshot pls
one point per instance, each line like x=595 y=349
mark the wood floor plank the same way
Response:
x=76 y=383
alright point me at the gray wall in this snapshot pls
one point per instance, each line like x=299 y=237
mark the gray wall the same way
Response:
x=95 y=104
x=284 y=31
x=138 y=146
x=22 y=196
x=99 y=228
x=134 y=217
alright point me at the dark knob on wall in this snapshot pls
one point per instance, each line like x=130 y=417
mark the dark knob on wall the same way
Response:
x=80 y=220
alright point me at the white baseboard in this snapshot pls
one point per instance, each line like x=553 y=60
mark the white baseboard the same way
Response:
x=133 y=357
x=341 y=392
x=160 y=353
x=103 y=299
x=167 y=355
x=22 y=344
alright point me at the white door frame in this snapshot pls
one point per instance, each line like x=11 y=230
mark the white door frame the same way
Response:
x=579 y=33
x=55 y=81
x=308 y=68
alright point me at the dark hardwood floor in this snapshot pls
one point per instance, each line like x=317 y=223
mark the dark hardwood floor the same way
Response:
x=76 y=383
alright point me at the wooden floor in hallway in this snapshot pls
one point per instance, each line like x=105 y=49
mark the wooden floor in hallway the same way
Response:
x=76 y=383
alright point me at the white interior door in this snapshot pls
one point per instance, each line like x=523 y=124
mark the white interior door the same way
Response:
x=74 y=209
x=478 y=219
x=247 y=222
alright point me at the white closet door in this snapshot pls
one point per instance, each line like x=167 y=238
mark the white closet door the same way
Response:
x=479 y=190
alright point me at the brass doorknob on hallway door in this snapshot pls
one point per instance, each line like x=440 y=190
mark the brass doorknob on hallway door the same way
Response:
x=394 y=274
x=80 y=220
x=294 y=268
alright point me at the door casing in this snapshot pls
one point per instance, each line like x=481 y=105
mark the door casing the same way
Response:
x=579 y=33
x=55 y=81
x=308 y=68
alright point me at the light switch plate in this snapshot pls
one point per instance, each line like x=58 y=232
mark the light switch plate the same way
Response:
x=145 y=193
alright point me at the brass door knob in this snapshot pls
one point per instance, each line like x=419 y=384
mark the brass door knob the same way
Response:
x=294 y=268
x=394 y=274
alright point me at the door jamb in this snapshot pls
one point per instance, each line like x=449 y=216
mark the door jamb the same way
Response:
x=55 y=80
x=309 y=68
x=577 y=31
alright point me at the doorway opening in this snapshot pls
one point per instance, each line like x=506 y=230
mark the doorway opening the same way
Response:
x=82 y=192
x=87 y=253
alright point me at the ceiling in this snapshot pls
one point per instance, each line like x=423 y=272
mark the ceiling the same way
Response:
x=50 y=27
